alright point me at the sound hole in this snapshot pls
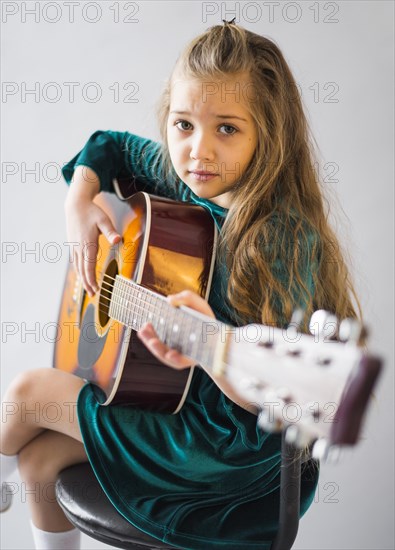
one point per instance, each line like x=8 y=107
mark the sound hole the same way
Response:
x=106 y=292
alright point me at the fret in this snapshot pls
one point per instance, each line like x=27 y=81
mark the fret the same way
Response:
x=134 y=305
x=183 y=336
x=133 y=308
x=130 y=304
x=139 y=308
x=166 y=323
x=125 y=304
x=121 y=303
x=147 y=306
x=178 y=328
x=117 y=307
x=143 y=306
x=161 y=321
x=205 y=346
x=184 y=332
x=113 y=304
x=169 y=326
x=190 y=337
x=195 y=337
x=157 y=304
x=154 y=308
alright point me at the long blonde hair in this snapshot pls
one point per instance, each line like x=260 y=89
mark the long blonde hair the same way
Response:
x=276 y=234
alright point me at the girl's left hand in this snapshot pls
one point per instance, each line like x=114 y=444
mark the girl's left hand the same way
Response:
x=169 y=356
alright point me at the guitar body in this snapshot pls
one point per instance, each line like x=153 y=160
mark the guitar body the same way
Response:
x=166 y=247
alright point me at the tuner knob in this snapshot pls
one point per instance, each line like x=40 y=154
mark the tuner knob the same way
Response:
x=297 y=318
x=351 y=330
x=320 y=449
x=268 y=424
x=320 y=321
x=295 y=436
x=330 y=454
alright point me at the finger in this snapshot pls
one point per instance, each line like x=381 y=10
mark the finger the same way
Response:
x=83 y=272
x=90 y=257
x=152 y=342
x=161 y=351
x=78 y=261
x=192 y=300
x=106 y=227
x=77 y=270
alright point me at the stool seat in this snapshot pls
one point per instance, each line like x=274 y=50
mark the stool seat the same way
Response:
x=86 y=505
x=76 y=487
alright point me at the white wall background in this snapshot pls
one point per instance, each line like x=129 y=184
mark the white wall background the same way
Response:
x=346 y=43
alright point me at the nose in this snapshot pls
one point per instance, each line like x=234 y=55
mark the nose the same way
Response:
x=201 y=148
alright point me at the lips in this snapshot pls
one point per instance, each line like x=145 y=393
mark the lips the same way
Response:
x=199 y=175
x=203 y=173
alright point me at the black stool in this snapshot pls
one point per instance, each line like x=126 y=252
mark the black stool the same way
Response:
x=87 y=507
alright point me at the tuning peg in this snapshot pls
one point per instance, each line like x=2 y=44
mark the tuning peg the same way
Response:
x=297 y=317
x=295 y=323
x=320 y=323
x=268 y=423
x=320 y=449
x=297 y=437
x=351 y=330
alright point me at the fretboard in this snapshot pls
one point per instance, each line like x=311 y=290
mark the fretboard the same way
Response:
x=189 y=332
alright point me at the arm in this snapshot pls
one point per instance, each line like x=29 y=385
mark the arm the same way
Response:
x=174 y=359
x=111 y=154
x=105 y=156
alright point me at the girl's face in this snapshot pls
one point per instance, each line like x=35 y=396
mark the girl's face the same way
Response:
x=209 y=129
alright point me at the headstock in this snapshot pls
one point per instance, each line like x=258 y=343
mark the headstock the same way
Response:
x=316 y=386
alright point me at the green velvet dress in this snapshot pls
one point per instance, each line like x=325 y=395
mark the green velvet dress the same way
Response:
x=207 y=477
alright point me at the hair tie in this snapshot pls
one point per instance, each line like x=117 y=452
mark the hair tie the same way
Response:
x=229 y=22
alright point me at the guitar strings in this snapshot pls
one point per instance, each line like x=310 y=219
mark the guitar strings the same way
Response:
x=137 y=303
x=163 y=330
x=134 y=299
x=141 y=304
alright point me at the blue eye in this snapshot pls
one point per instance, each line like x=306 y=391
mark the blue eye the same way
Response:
x=229 y=126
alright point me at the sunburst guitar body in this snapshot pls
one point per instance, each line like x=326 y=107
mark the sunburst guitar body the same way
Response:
x=166 y=247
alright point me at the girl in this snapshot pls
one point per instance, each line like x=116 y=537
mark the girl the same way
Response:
x=236 y=141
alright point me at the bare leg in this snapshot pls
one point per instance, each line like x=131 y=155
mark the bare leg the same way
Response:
x=40 y=424
x=36 y=400
x=40 y=462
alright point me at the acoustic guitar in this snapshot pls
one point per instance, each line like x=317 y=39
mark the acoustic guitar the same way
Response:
x=315 y=384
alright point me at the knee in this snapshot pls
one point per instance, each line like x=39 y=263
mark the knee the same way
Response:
x=22 y=386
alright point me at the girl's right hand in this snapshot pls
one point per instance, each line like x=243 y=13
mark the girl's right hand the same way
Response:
x=85 y=221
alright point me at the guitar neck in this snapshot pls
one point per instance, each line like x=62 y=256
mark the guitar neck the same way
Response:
x=189 y=332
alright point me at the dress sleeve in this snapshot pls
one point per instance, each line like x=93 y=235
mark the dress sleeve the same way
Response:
x=121 y=155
